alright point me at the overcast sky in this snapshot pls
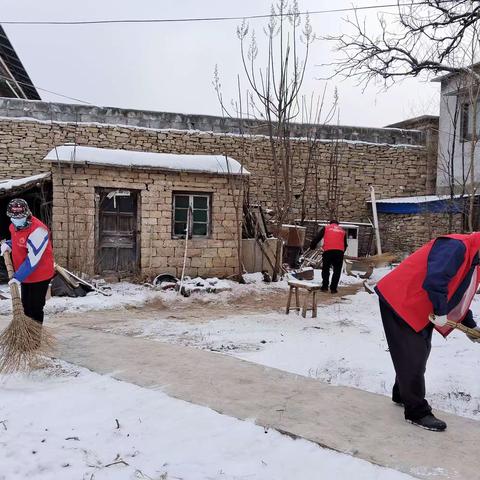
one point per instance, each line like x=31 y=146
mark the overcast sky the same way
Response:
x=169 y=67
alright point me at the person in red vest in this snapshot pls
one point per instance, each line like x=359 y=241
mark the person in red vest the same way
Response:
x=435 y=283
x=32 y=257
x=334 y=246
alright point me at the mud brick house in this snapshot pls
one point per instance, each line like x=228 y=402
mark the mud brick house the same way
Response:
x=125 y=212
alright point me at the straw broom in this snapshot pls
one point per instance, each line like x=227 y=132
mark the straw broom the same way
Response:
x=24 y=341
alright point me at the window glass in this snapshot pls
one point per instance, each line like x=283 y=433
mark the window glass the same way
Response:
x=200 y=229
x=194 y=209
x=200 y=216
x=182 y=201
x=467 y=120
x=181 y=214
x=200 y=202
x=179 y=229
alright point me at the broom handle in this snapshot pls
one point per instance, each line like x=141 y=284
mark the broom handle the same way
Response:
x=8 y=263
x=14 y=290
x=470 y=331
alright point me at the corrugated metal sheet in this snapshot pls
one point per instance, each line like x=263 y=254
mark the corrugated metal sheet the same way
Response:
x=14 y=79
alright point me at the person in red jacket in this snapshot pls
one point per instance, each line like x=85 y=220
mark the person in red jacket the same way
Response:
x=435 y=283
x=32 y=257
x=334 y=246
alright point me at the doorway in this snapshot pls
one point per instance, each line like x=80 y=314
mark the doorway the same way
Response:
x=116 y=233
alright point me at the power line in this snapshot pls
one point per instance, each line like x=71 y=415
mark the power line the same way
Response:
x=200 y=19
x=2 y=77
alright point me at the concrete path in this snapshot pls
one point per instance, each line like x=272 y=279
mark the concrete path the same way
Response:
x=345 y=419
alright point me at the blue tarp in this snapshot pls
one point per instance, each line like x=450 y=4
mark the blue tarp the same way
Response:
x=432 y=206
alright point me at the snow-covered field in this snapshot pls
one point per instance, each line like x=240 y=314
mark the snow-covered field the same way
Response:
x=70 y=424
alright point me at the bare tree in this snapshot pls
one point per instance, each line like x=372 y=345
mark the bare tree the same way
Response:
x=428 y=36
x=315 y=114
x=473 y=90
x=447 y=154
x=236 y=187
x=422 y=36
x=465 y=87
x=274 y=93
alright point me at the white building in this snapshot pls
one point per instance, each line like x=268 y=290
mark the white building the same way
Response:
x=459 y=95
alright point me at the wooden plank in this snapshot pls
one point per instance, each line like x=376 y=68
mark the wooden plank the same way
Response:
x=305 y=284
x=84 y=282
x=63 y=273
x=304 y=309
x=289 y=300
x=314 y=304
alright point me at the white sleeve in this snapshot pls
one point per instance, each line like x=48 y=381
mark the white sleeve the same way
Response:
x=36 y=245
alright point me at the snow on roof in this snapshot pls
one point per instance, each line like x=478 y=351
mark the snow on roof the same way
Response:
x=419 y=199
x=217 y=164
x=9 y=184
x=465 y=69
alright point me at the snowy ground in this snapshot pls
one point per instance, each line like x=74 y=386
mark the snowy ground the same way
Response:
x=126 y=294
x=345 y=345
x=61 y=423
x=72 y=424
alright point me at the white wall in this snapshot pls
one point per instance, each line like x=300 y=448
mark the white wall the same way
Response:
x=446 y=146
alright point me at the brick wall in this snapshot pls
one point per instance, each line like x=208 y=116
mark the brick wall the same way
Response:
x=394 y=170
x=74 y=213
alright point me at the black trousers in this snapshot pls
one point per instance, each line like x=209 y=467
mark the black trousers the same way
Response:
x=409 y=351
x=33 y=299
x=331 y=258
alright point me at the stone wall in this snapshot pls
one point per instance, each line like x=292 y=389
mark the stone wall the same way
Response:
x=405 y=233
x=74 y=113
x=74 y=215
x=394 y=170
x=429 y=124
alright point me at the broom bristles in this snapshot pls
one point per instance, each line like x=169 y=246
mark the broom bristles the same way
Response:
x=24 y=341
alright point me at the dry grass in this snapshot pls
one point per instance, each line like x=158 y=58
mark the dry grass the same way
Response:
x=24 y=341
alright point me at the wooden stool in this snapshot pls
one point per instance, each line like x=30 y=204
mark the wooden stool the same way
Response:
x=311 y=288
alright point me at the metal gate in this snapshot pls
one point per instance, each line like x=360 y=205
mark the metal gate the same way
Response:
x=117 y=234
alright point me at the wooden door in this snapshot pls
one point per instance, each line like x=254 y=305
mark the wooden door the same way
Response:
x=117 y=234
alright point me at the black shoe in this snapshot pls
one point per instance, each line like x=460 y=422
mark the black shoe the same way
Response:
x=324 y=289
x=429 y=422
x=333 y=290
x=398 y=403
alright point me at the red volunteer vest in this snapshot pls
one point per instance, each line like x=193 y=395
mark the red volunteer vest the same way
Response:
x=403 y=287
x=45 y=268
x=334 y=238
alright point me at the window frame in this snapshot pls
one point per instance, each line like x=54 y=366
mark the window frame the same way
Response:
x=466 y=120
x=191 y=197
